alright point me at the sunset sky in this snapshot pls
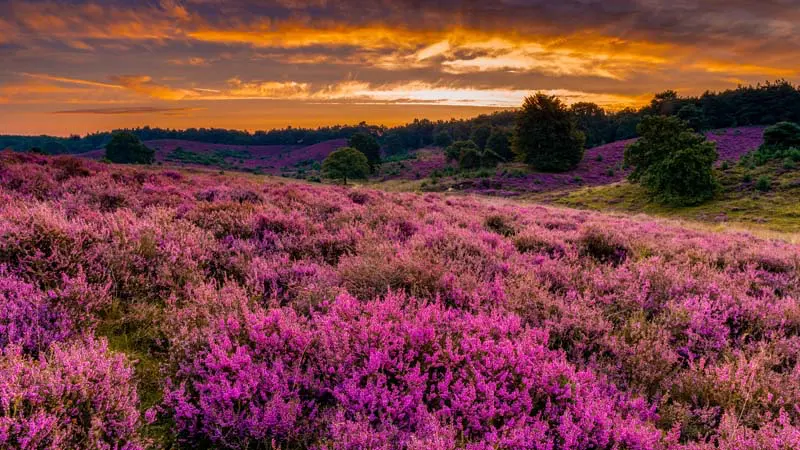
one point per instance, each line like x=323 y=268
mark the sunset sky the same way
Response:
x=81 y=66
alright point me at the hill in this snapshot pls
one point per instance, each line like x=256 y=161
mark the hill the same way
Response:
x=601 y=165
x=175 y=307
x=271 y=159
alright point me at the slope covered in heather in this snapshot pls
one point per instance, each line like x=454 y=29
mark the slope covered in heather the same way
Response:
x=234 y=311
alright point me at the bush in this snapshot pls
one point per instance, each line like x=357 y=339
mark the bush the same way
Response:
x=125 y=148
x=345 y=163
x=547 y=137
x=782 y=135
x=673 y=163
x=77 y=396
x=763 y=183
x=454 y=151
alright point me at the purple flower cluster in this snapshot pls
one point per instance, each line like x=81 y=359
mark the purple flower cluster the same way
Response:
x=288 y=315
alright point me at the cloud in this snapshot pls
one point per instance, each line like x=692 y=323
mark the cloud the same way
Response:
x=130 y=110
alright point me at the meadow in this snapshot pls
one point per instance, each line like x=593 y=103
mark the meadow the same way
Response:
x=177 y=308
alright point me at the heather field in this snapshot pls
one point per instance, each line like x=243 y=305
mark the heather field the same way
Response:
x=151 y=308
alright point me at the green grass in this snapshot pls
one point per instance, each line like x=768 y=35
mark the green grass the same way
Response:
x=738 y=200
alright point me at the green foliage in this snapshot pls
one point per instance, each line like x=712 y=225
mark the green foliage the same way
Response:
x=674 y=164
x=345 y=163
x=480 y=135
x=443 y=139
x=547 y=137
x=764 y=183
x=694 y=116
x=125 y=148
x=782 y=135
x=454 y=151
x=55 y=148
x=469 y=156
x=593 y=120
x=500 y=143
x=37 y=151
x=368 y=145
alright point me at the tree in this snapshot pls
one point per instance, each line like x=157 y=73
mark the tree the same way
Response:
x=443 y=139
x=368 y=145
x=594 y=122
x=345 y=163
x=674 y=164
x=480 y=135
x=500 y=143
x=694 y=116
x=125 y=148
x=547 y=137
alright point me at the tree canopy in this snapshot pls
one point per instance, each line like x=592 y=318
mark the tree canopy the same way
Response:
x=547 y=136
x=345 y=163
x=126 y=148
x=674 y=164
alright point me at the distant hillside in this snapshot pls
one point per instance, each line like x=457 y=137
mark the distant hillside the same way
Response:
x=600 y=166
x=271 y=159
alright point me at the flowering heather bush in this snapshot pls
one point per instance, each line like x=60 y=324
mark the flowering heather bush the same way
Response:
x=279 y=315
x=74 y=396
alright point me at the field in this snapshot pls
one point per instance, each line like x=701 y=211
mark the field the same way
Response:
x=173 y=308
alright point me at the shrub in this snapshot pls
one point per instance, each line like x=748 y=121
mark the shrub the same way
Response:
x=547 y=136
x=125 y=148
x=763 y=183
x=674 y=164
x=76 y=396
x=500 y=225
x=454 y=151
x=782 y=135
x=345 y=163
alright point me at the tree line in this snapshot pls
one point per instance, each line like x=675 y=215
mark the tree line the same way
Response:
x=762 y=104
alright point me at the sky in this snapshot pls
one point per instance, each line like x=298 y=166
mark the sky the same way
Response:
x=76 y=66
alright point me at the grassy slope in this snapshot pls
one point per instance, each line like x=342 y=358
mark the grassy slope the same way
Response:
x=738 y=202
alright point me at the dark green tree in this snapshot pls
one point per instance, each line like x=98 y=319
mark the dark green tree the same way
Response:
x=500 y=143
x=443 y=139
x=126 y=148
x=547 y=137
x=674 y=164
x=345 y=163
x=593 y=121
x=694 y=116
x=368 y=145
x=480 y=135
